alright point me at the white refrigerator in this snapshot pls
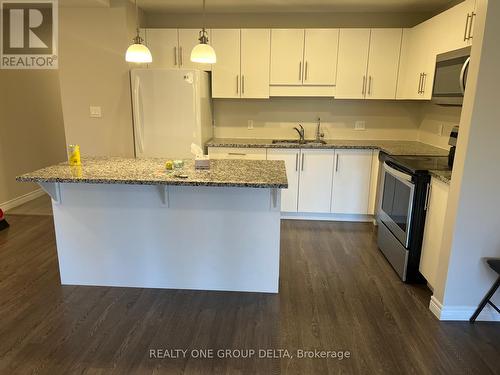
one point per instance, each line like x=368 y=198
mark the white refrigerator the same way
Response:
x=171 y=109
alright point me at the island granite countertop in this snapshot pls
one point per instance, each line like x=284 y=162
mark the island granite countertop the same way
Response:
x=407 y=148
x=151 y=171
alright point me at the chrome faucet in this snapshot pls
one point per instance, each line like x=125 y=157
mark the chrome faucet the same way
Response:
x=319 y=134
x=301 y=132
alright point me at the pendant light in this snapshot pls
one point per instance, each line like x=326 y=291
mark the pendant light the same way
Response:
x=138 y=52
x=203 y=52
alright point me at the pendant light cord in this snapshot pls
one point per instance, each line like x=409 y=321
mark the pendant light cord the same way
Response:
x=204 y=16
x=137 y=17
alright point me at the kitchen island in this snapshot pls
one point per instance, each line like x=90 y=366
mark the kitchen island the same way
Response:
x=131 y=223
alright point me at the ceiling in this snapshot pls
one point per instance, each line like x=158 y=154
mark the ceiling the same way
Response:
x=271 y=6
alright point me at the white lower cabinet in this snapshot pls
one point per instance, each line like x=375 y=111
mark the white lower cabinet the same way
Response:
x=289 y=197
x=351 y=181
x=237 y=153
x=433 y=232
x=315 y=183
x=319 y=181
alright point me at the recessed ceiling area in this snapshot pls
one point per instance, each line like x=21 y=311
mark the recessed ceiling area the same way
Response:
x=274 y=6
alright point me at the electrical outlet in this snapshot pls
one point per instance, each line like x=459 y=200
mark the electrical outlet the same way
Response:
x=95 y=112
x=250 y=124
x=360 y=125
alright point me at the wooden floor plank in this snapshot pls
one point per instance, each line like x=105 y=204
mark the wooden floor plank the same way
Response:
x=337 y=292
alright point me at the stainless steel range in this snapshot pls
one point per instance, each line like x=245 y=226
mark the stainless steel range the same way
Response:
x=403 y=210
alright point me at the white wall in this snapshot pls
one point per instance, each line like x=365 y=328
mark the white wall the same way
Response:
x=436 y=123
x=276 y=117
x=31 y=127
x=473 y=220
x=93 y=71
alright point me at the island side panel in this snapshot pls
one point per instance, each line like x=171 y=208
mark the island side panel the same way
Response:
x=207 y=238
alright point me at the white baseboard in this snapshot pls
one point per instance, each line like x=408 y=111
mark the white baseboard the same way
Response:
x=10 y=204
x=461 y=313
x=325 y=217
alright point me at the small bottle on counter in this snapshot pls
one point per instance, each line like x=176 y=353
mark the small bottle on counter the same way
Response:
x=74 y=155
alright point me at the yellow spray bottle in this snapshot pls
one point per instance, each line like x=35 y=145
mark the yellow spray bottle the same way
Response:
x=74 y=155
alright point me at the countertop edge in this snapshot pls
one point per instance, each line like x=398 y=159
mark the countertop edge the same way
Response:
x=381 y=145
x=255 y=185
x=293 y=146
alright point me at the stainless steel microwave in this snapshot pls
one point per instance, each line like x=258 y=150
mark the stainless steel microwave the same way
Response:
x=450 y=77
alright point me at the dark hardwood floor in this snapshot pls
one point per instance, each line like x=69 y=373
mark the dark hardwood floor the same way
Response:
x=337 y=293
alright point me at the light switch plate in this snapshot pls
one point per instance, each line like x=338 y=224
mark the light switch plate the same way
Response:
x=360 y=125
x=95 y=112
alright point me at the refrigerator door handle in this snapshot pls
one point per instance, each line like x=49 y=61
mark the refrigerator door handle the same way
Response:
x=138 y=124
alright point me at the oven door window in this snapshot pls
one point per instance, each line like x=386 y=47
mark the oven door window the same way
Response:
x=397 y=205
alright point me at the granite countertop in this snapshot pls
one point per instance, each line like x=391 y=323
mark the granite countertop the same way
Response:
x=151 y=171
x=409 y=148
x=444 y=176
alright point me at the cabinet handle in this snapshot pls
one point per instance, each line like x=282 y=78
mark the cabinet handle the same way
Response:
x=296 y=162
x=467 y=26
x=180 y=56
x=300 y=71
x=306 y=72
x=427 y=196
x=175 y=56
x=237 y=85
x=364 y=86
x=424 y=80
x=337 y=163
x=469 y=36
x=302 y=167
x=242 y=84
x=420 y=84
x=236 y=153
x=370 y=85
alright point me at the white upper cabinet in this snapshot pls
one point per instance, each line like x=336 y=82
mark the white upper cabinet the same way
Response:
x=450 y=30
x=163 y=44
x=368 y=63
x=383 y=63
x=456 y=26
x=291 y=157
x=304 y=57
x=188 y=39
x=242 y=68
x=315 y=185
x=226 y=72
x=287 y=53
x=418 y=59
x=320 y=56
x=255 y=57
x=171 y=48
x=351 y=181
x=352 y=63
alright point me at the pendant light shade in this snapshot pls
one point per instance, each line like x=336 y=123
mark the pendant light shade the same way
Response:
x=138 y=52
x=203 y=52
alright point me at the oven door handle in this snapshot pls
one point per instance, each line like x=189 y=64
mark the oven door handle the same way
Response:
x=398 y=174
